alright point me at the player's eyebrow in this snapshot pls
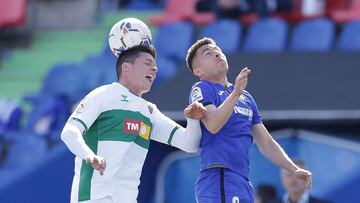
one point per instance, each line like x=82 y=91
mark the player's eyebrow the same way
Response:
x=207 y=48
x=150 y=61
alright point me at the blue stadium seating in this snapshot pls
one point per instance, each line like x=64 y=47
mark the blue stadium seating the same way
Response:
x=173 y=40
x=313 y=35
x=349 y=39
x=48 y=113
x=181 y=172
x=25 y=150
x=167 y=69
x=226 y=33
x=10 y=115
x=266 y=35
x=65 y=80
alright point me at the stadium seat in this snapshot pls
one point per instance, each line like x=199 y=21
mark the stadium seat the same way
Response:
x=349 y=39
x=25 y=150
x=141 y=5
x=226 y=33
x=174 y=39
x=167 y=69
x=266 y=35
x=180 y=170
x=10 y=115
x=48 y=113
x=178 y=10
x=347 y=14
x=313 y=35
x=13 y=12
x=65 y=80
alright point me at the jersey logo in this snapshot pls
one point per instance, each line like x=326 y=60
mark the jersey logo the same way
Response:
x=235 y=199
x=196 y=94
x=137 y=127
x=221 y=93
x=124 y=98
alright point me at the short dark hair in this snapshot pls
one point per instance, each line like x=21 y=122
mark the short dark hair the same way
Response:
x=193 y=49
x=131 y=54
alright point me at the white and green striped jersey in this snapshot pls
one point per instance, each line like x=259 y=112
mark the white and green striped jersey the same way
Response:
x=118 y=127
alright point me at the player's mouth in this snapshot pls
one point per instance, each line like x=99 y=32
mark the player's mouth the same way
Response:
x=220 y=60
x=150 y=78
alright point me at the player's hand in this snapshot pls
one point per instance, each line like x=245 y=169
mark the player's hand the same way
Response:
x=304 y=175
x=195 y=111
x=241 y=80
x=97 y=162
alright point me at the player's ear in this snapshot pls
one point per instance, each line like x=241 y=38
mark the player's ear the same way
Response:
x=196 y=72
x=125 y=66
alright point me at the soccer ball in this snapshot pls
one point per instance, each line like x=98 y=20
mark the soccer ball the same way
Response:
x=127 y=33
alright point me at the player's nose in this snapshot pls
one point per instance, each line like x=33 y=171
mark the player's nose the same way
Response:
x=155 y=69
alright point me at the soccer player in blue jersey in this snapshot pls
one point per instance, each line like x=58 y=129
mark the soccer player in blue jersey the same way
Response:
x=230 y=125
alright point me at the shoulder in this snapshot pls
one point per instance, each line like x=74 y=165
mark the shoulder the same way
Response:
x=98 y=92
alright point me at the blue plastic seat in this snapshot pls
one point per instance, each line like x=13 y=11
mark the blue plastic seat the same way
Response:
x=349 y=39
x=48 y=113
x=180 y=170
x=65 y=80
x=313 y=35
x=167 y=69
x=267 y=35
x=226 y=33
x=25 y=150
x=173 y=40
x=10 y=115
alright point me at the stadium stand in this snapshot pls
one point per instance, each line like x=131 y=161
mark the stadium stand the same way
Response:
x=313 y=35
x=12 y=13
x=344 y=15
x=349 y=39
x=75 y=62
x=229 y=42
x=266 y=35
x=25 y=150
x=179 y=10
x=170 y=44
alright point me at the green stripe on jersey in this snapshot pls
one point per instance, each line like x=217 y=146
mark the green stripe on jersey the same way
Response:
x=87 y=170
x=111 y=126
x=172 y=134
x=82 y=123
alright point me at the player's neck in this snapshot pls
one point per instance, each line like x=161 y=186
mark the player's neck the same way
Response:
x=295 y=197
x=131 y=88
x=222 y=81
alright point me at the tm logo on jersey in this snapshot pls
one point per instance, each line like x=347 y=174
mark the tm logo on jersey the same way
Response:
x=137 y=127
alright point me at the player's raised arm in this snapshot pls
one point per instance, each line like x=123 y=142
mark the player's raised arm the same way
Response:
x=215 y=118
x=169 y=132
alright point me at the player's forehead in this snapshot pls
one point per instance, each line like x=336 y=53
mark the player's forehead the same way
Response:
x=144 y=56
x=206 y=47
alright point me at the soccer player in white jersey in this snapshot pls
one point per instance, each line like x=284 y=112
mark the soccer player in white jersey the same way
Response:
x=114 y=124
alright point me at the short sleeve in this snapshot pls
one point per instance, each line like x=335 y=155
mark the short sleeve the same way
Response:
x=163 y=127
x=202 y=92
x=89 y=109
x=256 y=114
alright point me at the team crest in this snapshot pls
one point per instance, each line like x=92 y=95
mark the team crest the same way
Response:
x=196 y=94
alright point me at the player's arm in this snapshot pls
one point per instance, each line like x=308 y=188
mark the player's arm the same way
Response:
x=169 y=132
x=274 y=152
x=81 y=119
x=215 y=118
x=72 y=137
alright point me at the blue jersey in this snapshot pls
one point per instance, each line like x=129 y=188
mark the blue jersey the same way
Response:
x=230 y=147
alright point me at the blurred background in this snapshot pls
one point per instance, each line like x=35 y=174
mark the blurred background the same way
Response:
x=305 y=61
